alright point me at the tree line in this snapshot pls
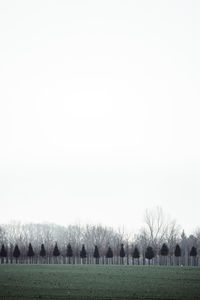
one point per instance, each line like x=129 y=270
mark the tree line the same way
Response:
x=159 y=241
x=105 y=258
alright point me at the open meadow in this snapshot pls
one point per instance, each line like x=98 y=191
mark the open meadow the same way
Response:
x=98 y=282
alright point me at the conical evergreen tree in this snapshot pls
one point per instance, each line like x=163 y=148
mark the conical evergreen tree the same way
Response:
x=30 y=252
x=69 y=252
x=109 y=253
x=16 y=253
x=149 y=254
x=3 y=252
x=96 y=254
x=122 y=254
x=177 y=251
x=193 y=252
x=83 y=253
x=136 y=253
x=164 y=251
x=56 y=251
x=42 y=251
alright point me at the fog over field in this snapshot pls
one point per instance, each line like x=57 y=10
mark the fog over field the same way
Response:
x=99 y=111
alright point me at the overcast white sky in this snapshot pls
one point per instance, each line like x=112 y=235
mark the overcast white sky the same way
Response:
x=99 y=111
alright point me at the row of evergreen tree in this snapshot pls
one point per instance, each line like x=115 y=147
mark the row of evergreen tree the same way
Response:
x=149 y=253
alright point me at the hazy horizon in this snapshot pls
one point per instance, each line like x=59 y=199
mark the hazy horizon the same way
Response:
x=99 y=111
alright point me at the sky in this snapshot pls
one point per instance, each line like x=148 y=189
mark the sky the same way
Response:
x=99 y=111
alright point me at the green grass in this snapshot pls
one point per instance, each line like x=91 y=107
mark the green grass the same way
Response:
x=98 y=282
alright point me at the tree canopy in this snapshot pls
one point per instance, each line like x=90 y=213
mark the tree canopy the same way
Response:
x=164 y=251
x=69 y=250
x=149 y=254
x=136 y=253
x=83 y=253
x=109 y=253
x=56 y=251
x=30 y=252
x=96 y=252
x=16 y=252
x=122 y=252
x=177 y=251
x=193 y=251
x=3 y=252
x=42 y=251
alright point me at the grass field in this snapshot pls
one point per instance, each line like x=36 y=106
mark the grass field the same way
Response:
x=98 y=282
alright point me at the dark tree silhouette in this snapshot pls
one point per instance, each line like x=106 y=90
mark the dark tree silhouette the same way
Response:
x=149 y=254
x=30 y=252
x=83 y=254
x=109 y=254
x=193 y=254
x=136 y=254
x=96 y=254
x=177 y=253
x=3 y=253
x=56 y=251
x=164 y=251
x=42 y=251
x=16 y=253
x=193 y=251
x=69 y=252
x=122 y=254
